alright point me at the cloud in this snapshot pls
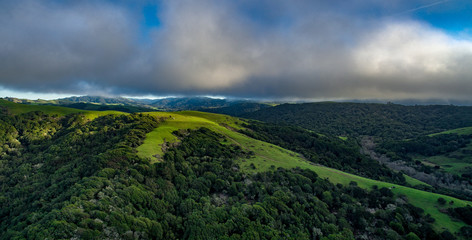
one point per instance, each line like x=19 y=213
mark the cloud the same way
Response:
x=277 y=49
x=414 y=59
x=49 y=46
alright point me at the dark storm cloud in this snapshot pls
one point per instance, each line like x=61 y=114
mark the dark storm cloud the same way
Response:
x=49 y=46
x=303 y=49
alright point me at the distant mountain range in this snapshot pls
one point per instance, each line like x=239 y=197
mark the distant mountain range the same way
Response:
x=231 y=107
x=190 y=103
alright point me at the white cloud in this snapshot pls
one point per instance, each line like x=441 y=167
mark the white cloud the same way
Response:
x=410 y=48
x=412 y=59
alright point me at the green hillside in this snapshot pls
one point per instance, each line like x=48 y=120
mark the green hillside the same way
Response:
x=459 y=131
x=428 y=142
x=447 y=154
x=16 y=108
x=62 y=177
x=458 y=162
x=268 y=156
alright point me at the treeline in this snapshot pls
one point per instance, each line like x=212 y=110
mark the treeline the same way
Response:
x=237 y=108
x=325 y=150
x=426 y=145
x=101 y=107
x=463 y=214
x=84 y=180
x=387 y=121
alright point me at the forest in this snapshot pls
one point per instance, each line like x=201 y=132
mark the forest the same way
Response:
x=405 y=139
x=325 y=150
x=69 y=176
x=386 y=121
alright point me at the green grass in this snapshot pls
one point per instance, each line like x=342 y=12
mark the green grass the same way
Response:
x=17 y=108
x=267 y=155
x=455 y=162
x=422 y=199
x=152 y=146
x=220 y=119
x=460 y=131
x=414 y=181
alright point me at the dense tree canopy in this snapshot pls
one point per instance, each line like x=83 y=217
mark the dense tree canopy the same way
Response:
x=67 y=177
x=388 y=121
x=329 y=151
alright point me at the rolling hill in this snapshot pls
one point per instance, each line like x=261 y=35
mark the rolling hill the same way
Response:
x=388 y=121
x=268 y=155
x=110 y=176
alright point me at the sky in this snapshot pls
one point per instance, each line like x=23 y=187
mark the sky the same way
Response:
x=265 y=49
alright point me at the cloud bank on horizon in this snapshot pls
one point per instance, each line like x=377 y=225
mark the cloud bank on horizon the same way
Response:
x=268 y=49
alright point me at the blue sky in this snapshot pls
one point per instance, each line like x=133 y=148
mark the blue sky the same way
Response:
x=452 y=16
x=277 y=49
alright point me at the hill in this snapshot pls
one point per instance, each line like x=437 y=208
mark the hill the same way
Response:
x=12 y=108
x=388 y=121
x=98 y=100
x=108 y=107
x=223 y=106
x=90 y=103
x=404 y=138
x=63 y=176
x=189 y=103
x=130 y=105
x=268 y=156
x=237 y=108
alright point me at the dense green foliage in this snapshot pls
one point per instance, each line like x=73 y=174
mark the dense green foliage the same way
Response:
x=189 y=103
x=328 y=151
x=47 y=162
x=422 y=147
x=237 y=108
x=66 y=177
x=427 y=145
x=100 y=107
x=463 y=214
x=408 y=139
x=97 y=99
x=390 y=121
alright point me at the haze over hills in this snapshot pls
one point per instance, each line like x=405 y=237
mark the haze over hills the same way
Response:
x=233 y=107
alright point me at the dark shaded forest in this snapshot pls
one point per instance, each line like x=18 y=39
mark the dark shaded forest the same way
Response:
x=100 y=107
x=386 y=121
